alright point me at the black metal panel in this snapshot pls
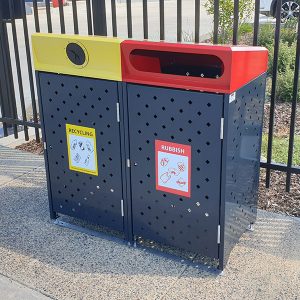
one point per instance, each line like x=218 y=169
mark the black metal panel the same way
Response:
x=241 y=162
x=184 y=117
x=90 y=103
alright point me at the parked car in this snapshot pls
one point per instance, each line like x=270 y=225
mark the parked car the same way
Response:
x=289 y=9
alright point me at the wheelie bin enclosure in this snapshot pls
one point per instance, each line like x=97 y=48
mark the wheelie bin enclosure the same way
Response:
x=195 y=123
x=78 y=82
x=157 y=140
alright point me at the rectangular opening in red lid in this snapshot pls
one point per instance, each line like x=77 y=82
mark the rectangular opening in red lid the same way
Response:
x=174 y=63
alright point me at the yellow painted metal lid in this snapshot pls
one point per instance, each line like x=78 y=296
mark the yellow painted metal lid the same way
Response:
x=86 y=56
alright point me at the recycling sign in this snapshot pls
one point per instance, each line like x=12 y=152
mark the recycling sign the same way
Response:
x=82 y=150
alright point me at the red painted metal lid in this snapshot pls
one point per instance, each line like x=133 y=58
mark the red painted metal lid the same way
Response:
x=201 y=67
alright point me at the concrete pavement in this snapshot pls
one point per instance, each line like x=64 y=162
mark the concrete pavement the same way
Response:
x=11 y=290
x=66 y=264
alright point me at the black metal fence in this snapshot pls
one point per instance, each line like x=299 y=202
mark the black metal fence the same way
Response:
x=96 y=23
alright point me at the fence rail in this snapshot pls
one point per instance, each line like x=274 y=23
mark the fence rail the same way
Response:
x=96 y=23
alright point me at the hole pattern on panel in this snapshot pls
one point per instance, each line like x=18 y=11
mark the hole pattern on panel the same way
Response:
x=90 y=103
x=188 y=118
x=243 y=159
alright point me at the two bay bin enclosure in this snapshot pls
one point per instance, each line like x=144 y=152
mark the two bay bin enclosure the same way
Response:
x=156 y=140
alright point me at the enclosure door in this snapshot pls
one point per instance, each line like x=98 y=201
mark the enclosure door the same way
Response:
x=175 y=153
x=83 y=147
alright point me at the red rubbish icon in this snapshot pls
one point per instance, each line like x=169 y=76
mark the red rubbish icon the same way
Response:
x=181 y=166
x=164 y=161
x=165 y=177
x=181 y=182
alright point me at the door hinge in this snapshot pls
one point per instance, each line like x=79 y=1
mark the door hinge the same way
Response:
x=45 y=146
x=222 y=129
x=219 y=234
x=128 y=163
x=122 y=207
x=118 y=112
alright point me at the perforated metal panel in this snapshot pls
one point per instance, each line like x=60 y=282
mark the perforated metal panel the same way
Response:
x=241 y=162
x=90 y=103
x=184 y=117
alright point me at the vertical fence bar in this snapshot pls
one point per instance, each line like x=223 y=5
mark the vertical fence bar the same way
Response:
x=129 y=18
x=4 y=93
x=293 y=113
x=61 y=17
x=216 y=21
x=48 y=14
x=162 y=19
x=114 y=18
x=197 y=21
x=99 y=17
x=145 y=19
x=30 y=74
x=256 y=23
x=75 y=16
x=273 y=91
x=89 y=16
x=6 y=78
x=18 y=67
x=235 y=22
x=179 y=20
x=5 y=130
x=36 y=15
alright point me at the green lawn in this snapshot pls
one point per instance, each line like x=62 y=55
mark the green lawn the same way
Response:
x=280 y=149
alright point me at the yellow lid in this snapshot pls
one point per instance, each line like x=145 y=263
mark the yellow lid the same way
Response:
x=86 y=56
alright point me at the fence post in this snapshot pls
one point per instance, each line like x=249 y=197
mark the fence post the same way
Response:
x=99 y=17
x=8 y=103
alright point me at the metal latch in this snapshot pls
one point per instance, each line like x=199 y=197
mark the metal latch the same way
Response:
x=222 y=129
x=122 y=207
x=118 y=112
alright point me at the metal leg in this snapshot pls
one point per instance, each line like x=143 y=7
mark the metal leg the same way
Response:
x=53 y=215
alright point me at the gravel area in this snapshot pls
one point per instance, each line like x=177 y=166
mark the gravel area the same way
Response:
x=276 y=199
x=32 y=147
x=282 y=119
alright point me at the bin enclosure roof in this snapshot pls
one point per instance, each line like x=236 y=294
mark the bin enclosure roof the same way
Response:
x=201 y=67
x=95 y=57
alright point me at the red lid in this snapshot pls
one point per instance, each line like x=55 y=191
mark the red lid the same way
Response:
x=201 y=67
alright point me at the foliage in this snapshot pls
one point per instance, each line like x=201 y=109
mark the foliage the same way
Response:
x=288 y=33
x=226 y=8
x=266 y=35
x=285 y=83
x=280 y=149
x=286 y=58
